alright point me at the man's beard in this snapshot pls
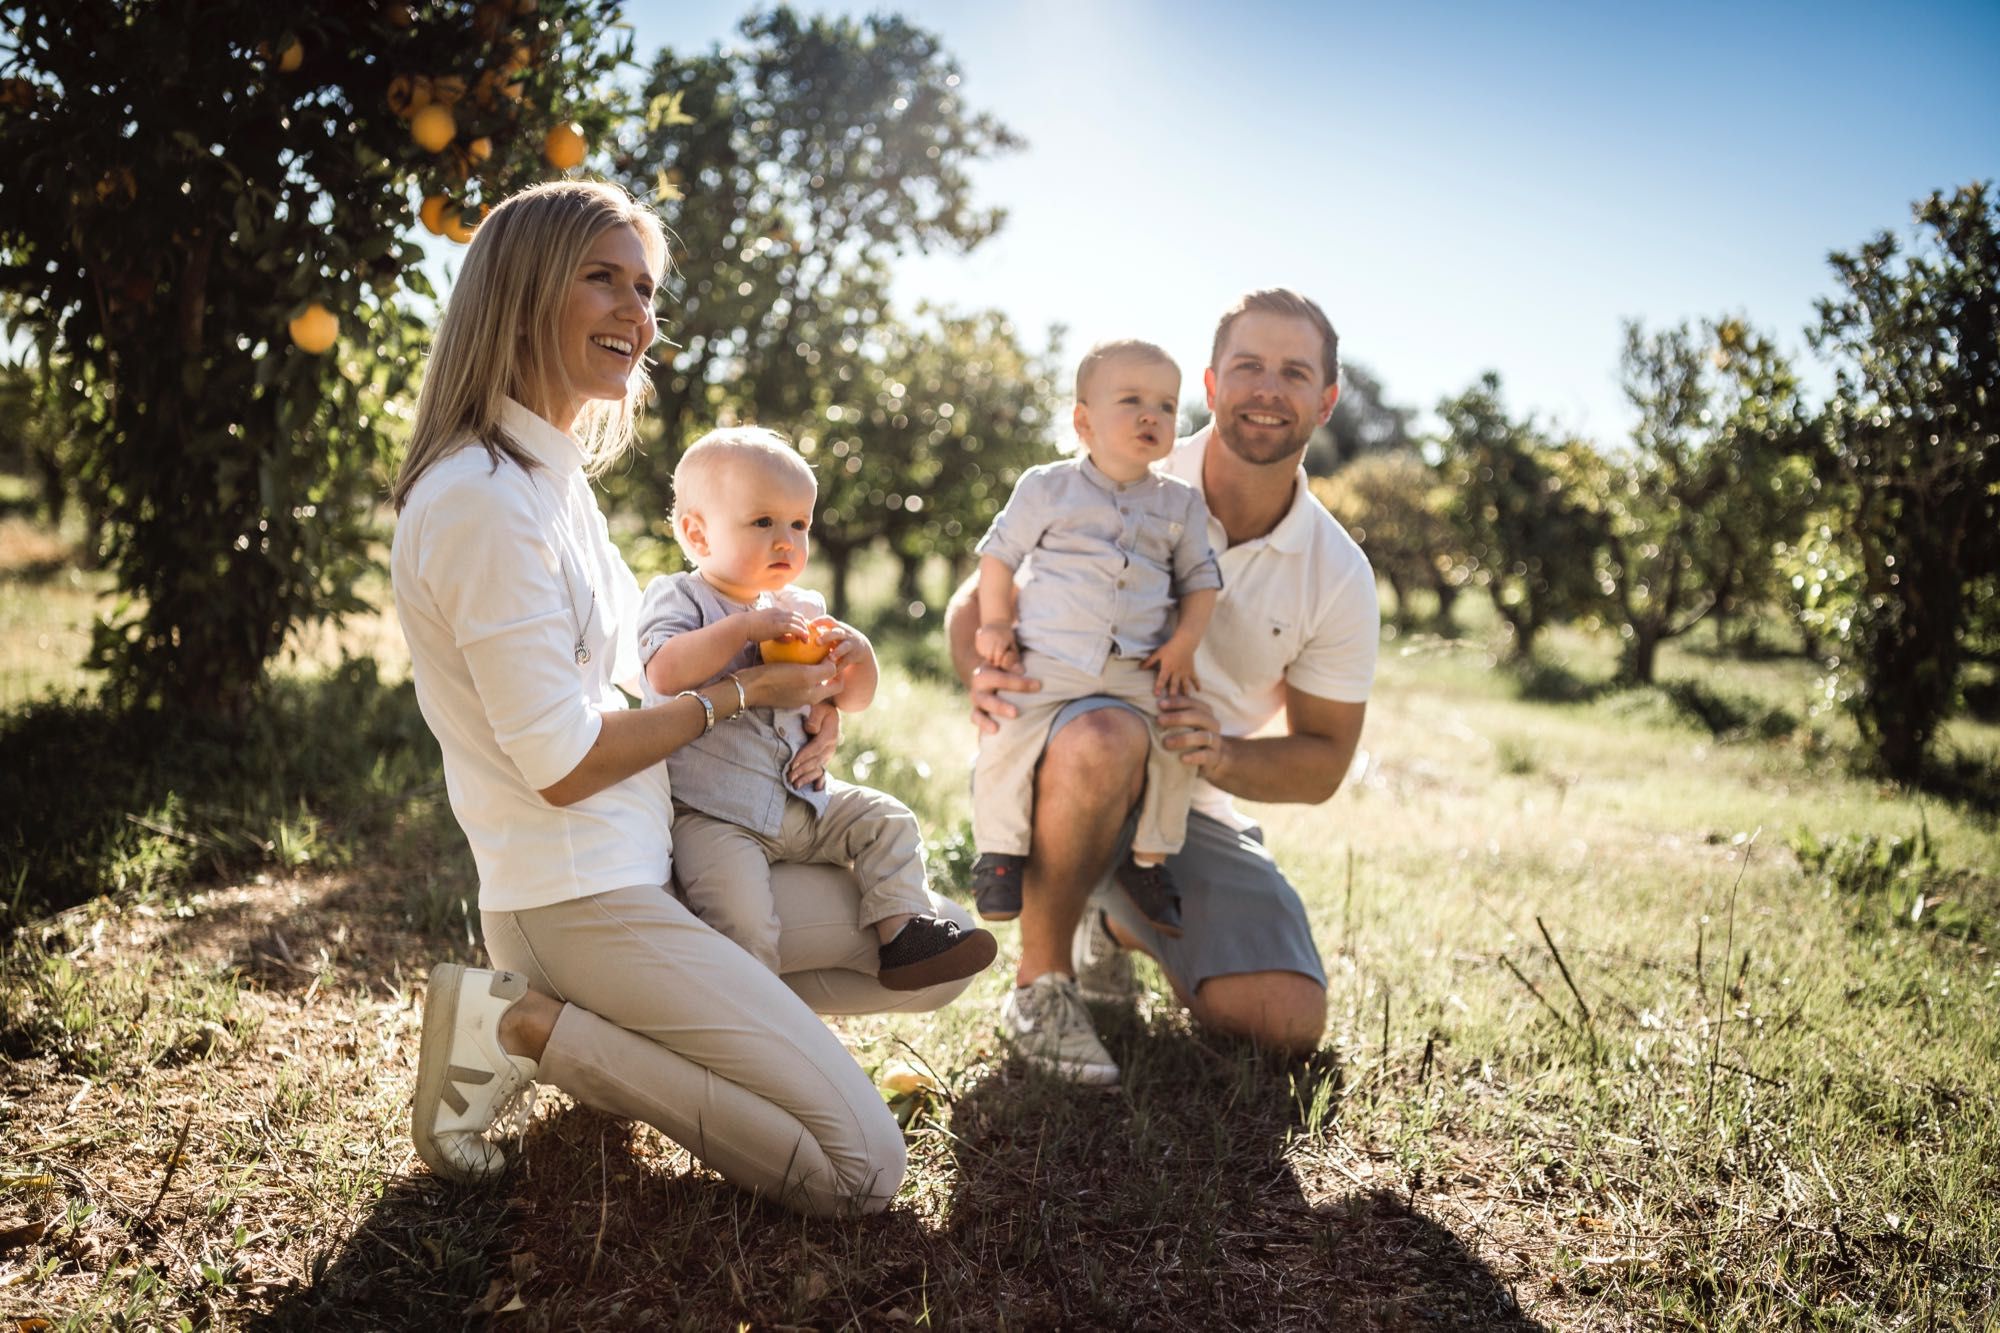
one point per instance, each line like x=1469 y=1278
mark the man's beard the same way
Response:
x=1265 y=447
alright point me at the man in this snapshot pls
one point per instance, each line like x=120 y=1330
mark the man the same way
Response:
x=1295 y=631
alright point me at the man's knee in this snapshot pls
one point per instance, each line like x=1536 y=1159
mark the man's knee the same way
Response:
x=1281 y=1011
x=1099 y=756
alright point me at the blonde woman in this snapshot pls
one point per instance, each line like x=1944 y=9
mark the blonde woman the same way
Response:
x=520 y=618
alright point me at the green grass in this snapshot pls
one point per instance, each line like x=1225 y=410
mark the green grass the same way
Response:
x=1631 y=1024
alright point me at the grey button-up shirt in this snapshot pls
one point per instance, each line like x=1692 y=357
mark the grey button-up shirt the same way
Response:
x=1106 y=561
x=737 y=771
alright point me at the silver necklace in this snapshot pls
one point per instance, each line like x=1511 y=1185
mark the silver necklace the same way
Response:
x=565 y=535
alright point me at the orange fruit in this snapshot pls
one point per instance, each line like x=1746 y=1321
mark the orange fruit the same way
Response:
x=793 y=649
x=432 y=214
x=479 y=149
x=564 y=146
x=314 y=329
x=434 y=128
x=18 y=93
x=291 y=57
x=399 y=16
x=455 y=228
x=409 y=94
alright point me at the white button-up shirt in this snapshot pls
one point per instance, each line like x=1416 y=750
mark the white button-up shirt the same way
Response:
x=1298 y=607
x=498 y=573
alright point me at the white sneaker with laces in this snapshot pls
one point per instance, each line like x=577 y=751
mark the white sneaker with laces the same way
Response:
x=465 y=1081
x=1047 y=1025
x=1103 y=970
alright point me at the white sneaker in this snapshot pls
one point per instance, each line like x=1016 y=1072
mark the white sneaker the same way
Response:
x=1047 y=1025
x=1103 y=970
x=465 y=1081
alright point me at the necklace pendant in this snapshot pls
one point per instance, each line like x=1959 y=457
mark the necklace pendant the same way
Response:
x=582 y=654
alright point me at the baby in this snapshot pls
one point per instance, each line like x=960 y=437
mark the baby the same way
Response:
x=743 y=506
x=1120 y=586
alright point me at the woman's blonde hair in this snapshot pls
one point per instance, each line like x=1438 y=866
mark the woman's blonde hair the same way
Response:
x=498 y=337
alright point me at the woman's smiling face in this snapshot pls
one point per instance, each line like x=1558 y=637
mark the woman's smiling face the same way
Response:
x=607 y=323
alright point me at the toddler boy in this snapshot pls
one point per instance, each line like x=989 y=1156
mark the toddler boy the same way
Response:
x=743 y=504
x=1120 y=584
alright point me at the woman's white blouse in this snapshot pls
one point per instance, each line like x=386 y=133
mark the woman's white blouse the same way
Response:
x=498 y=571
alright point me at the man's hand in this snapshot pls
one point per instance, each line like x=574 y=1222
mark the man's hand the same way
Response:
x=1174 y=660
x=808 y=766
x=771 y=622
x=989 y=710
x=1189 y=729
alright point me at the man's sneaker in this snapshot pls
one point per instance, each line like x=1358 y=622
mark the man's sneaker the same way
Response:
x=1152 y=891
x=996 y=885
x=1103 y=970
x=928 y=950
x=1047 y=1025
x=465 y=1081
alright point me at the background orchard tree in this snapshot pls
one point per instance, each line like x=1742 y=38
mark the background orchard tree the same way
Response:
x=1912 y=452
x=794 y=169
x=204 y=235
x=1364 y=421
x=1530 y=544
x=1694 y=508
x=1395 y=505
x=921 y=447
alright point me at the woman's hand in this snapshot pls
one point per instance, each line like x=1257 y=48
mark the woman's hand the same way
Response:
x=809 y=765
x=789 y=684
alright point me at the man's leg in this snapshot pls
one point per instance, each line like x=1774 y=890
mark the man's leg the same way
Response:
x=1245 y=963
x=1090 y=777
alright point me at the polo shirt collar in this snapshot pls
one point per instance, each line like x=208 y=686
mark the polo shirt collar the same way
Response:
x=1294 y=530
x=545 y=444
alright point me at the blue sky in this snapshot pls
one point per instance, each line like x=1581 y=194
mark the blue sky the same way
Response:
x=1461 y=186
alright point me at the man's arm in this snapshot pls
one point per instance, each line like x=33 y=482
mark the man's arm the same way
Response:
x=961 y=625
x=1305 y=766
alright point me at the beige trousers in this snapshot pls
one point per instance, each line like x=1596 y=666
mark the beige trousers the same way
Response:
x=1003 y=777
x=724 y=869
x=667 y=1022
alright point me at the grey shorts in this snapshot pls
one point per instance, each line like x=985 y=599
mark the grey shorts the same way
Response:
x=1238 y=911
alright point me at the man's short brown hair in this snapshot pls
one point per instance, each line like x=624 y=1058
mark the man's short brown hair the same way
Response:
x=1111 y=351
x=1281 y=301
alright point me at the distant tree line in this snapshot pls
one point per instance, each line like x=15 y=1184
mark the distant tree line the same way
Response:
x=1871 y=522
x=189 y=202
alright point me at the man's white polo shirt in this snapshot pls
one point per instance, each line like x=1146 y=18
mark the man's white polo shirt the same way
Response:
x=1298 y=607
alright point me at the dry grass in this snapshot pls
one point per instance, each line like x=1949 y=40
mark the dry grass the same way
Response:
x=1601 y=1055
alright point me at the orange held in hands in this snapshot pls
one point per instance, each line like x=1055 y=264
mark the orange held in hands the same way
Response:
x=792 y=648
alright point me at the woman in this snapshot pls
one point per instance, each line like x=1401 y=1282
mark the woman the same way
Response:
x=519 y=616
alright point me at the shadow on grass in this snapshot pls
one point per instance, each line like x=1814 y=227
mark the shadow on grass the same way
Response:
x=1174 y=1203
x=1538 y=680
x=97 y=800
x=1968 y=779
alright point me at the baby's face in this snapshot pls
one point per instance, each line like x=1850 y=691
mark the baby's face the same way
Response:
x=756 y=528
x=1127 y=415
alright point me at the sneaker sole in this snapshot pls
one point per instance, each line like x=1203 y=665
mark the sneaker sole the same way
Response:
x=998 y=914
x=1089 y=1076
x=441 y=994
x=973 y=954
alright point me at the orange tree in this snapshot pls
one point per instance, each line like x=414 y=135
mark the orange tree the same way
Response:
x=205 y=234
x=1911 y=459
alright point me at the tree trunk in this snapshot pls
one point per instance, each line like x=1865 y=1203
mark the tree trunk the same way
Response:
x=1641 y=652
x=840 y=560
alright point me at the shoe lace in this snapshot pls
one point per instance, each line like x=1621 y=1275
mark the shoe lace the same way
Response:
x=516 y=1108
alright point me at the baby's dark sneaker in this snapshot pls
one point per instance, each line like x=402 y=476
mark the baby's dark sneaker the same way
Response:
x=1152 y=891
x=927 y=951
x=996 y=885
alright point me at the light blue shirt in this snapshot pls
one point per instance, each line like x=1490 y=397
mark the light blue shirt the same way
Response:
x=737 y=771
x=1106 y=562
